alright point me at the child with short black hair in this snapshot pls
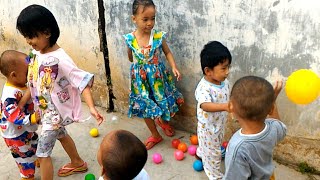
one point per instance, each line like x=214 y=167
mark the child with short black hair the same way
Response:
x=56 y=84
x=249 y=152
x=212 y=95
x=122 y=155
x=18 y=126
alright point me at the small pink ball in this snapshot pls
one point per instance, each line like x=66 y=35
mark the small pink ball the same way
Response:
x=179 y=155
x=192 y=150
x=157 y=158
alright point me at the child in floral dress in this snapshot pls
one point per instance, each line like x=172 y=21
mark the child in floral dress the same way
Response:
x=153 y=96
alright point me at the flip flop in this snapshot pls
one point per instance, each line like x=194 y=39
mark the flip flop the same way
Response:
x=152 y=140
x=166 y=128
x=72 y=170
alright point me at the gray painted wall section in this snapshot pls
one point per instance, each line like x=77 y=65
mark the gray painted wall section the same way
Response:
x=266 y=38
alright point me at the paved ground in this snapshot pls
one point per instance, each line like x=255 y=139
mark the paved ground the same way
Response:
x=87 y=147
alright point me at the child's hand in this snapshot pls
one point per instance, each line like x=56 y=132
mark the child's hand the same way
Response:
x=176 y=73
x=277 y=88
x=96 y=115
x=35 y=117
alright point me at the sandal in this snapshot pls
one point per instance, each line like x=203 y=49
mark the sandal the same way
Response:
x=66 y=171
x=152 y=140
x=166 y=128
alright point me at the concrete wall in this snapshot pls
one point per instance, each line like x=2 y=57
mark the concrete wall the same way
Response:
x=267 y=38
x=78 y=22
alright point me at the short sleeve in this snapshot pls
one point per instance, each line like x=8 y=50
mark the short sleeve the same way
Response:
x=203 y=95
x=80 y=79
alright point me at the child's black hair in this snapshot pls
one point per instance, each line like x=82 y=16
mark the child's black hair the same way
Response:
x=253 y=98
x=124 y=155
x=213 y=54
x=36 y=19
x=144 y=3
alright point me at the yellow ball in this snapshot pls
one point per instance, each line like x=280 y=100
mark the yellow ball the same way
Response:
x=302 y=86
x=94 y=132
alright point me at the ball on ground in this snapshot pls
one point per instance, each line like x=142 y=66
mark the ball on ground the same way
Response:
x=192 y=150
x=179 y=155
x=89 y=177
x=157 y=158
x=94 y=132
x=197 y=165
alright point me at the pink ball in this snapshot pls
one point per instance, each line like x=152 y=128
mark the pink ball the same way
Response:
x=157 y=158
x=179 y=155
x=192 y=150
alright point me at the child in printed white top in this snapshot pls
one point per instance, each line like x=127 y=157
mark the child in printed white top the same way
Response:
x=212 y=95
x=56 y=84
x=117 y=161
x=18 y=126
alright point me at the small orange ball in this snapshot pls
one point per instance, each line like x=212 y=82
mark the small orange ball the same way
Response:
x=194 y=139
x=183 y=147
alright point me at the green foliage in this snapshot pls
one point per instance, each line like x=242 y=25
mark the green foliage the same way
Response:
x=305 y=168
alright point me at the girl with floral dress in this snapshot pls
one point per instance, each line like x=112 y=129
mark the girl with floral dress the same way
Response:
x=153 y=95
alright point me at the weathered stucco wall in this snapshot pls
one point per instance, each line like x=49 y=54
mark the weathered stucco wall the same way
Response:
x=78 y=22
x=267 y=38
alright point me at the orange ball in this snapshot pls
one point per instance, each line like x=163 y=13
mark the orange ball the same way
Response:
x=194 y=139
x=183 y=147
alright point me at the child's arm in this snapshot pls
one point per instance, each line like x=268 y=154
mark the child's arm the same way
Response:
x=170 y=59
x=130 y=54
x=25 y=98
x=86 y=93
x=274 y=112
x=214 y=107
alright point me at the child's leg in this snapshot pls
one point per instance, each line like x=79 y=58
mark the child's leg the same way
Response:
x=210 y=151
x=70 y=148
x=23 y=153
x=77 y=165
x=46 y=168
x=46 y=143
x=154 y=133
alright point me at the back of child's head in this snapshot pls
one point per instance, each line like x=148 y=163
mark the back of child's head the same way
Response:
x=252 y=98
x=141 y=3
x=123 y=155
x=10 y=60
x=36 y=19
x=213 y=54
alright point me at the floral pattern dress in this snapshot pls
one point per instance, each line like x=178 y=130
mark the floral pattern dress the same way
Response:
x=153 y=92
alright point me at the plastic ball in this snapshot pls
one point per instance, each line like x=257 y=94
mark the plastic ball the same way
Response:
x=175 y=143
x=302 y=86
x=179 y=155
x=197 y=165
x=192 y=150
x=89 y=177
x=223 y=152
x=194 y=139
x=94 y=132
x=225 y=144
x=183 y=147
x=157 y=158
